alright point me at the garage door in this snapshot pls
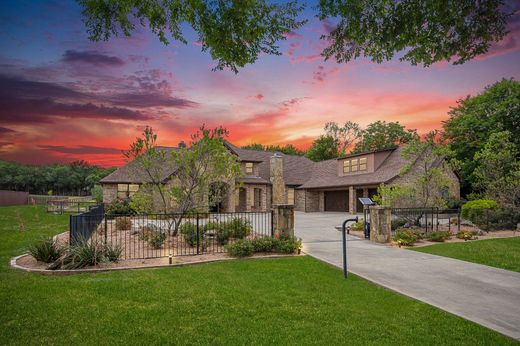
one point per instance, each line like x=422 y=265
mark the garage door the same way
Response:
x=336 y=200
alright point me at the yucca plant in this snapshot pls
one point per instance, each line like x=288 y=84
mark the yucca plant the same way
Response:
x=46 y=250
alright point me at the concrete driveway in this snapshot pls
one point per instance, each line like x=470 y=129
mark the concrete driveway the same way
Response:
x=488 y=296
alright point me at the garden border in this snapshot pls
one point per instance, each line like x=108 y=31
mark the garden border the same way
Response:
x=60 y=272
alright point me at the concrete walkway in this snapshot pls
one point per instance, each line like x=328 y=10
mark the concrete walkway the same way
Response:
x=488 y=296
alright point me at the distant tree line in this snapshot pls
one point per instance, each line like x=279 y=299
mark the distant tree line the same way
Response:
x=77 y=178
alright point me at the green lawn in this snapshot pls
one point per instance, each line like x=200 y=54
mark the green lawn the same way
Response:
x=501 y=253
x=278 y=301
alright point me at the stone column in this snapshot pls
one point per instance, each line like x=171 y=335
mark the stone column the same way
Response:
x=283 y=220
x=351 y=200
x=276 y=176
x=380 y=224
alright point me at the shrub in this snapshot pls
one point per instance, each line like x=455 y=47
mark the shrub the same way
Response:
x=156 y=240
x=46 y=250
x=123 y=223
x=223 y=236
x=211 y=226
x=358 y=226
x=240 y=248
x=189 y=230
x=287 y=245
x=397 y=223
x=237 y=227
x=439 y=236
x=475 y=211
x=263 y=244
x=119 y=207
x=466 y=235
x=405 y=236
x=113 y=252
x=82 y=254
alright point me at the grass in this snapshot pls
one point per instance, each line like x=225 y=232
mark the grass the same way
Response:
x=501 y=253
x=278 y=301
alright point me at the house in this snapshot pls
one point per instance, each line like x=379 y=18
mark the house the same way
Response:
x=275 y=178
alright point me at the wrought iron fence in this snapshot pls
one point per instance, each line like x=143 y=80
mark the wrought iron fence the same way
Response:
x=82 y=226
x=61 y=206
x=427 y=219
x=161 y=235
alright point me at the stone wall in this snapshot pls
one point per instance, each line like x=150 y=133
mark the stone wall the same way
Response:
x=109 y=193
x=299 y=200
x=380 y=224
x=277 y=182
x=410 y=177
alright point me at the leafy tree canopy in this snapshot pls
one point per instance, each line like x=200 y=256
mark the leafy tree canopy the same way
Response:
x=236 y=32
x=323 y=148
x=344 y=135
x=383 y=135
x=288 y=149
x=497 y=175
x=425 y=31
x=476 y=118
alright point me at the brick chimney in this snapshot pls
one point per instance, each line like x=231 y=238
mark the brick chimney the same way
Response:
x=276 y=176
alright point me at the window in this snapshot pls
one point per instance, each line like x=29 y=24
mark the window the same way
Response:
x=363 y=164
x=355 y=165
x=125 y=191
x=258 y=198
x=249 y=168
x=290 y=196
x=346 y=166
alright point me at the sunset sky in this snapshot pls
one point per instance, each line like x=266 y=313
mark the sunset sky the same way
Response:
x=64 y=98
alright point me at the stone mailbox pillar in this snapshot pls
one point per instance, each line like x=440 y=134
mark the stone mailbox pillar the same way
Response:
x=283 y=220
x=380 y=224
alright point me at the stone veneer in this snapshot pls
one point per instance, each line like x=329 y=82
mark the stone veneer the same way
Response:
x=109 y=193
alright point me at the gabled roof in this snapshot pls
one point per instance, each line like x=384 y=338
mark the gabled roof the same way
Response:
x=132 y=173
x=325 y=173
x=296 y=169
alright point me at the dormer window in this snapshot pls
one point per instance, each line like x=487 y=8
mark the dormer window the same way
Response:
x=249 y=168
x=363 y=164
x=355 y=165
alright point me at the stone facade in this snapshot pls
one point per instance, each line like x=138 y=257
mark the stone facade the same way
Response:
x=380 y=224
x=109 y=193
x=277 y=182
x=283 y=220
x=271 y=182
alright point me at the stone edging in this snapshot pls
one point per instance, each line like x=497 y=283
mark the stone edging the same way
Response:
x=99 y=270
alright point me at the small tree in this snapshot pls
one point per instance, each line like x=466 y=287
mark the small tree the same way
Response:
x=497 y=175
x=428 y=160
x=182 y=178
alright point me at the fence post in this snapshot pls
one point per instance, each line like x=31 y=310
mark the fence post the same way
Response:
x=198 y=234
x=106 y=229
x=272 y=222
x=458 y=220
